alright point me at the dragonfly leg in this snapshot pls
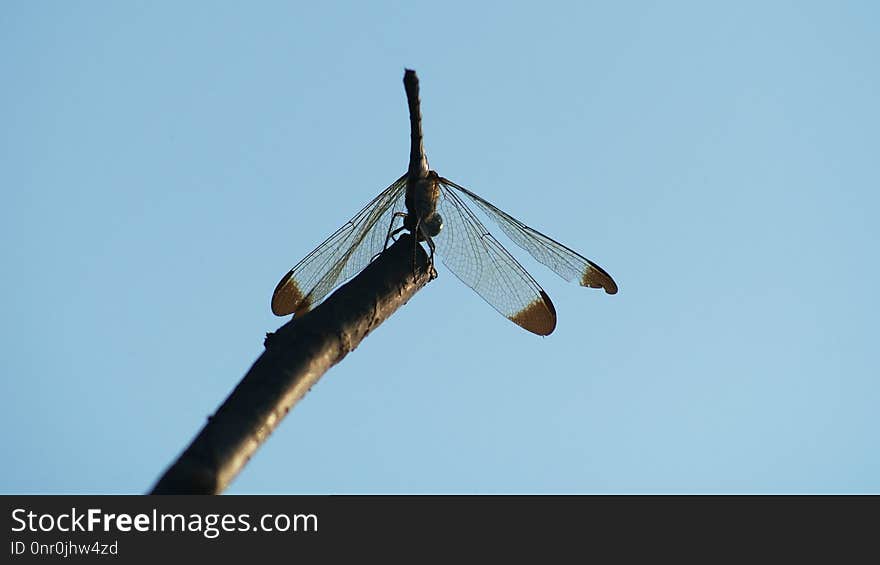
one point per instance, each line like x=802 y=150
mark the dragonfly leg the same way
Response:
x=397 y=231
x=415 y=233
x=430 y=227
x=424 y=234
x=391 y=233
x=391 y=227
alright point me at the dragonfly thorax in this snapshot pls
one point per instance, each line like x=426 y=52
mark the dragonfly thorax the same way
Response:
x=422 y=195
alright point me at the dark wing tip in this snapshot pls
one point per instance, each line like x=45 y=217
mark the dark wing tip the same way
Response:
x=538 y=317
x=596 y=277
x=288 y=298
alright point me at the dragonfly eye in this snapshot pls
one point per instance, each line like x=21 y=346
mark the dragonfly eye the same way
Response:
x=433 y=225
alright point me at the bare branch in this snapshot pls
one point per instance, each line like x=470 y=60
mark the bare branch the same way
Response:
x=295 y=358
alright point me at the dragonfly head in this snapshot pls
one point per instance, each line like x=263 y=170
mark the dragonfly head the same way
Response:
x=428 y=227
x=432 y=224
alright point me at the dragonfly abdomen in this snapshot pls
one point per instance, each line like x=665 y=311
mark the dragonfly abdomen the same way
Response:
x=418 y=162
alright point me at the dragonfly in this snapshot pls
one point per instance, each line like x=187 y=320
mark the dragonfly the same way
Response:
x=437 y=211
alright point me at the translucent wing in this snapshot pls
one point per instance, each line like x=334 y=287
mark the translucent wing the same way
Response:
x=343 y=255
x=482 y=263
x=565 y=262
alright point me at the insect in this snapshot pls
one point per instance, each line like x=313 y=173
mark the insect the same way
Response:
x=437 y=212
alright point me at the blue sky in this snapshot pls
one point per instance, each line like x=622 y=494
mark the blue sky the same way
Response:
x=162 y=165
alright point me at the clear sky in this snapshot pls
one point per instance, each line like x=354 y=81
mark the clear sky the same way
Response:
x=163 y=164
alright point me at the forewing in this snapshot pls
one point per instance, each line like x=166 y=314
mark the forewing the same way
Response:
x=565 y=262
x=343 y=255
x=482 y=263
